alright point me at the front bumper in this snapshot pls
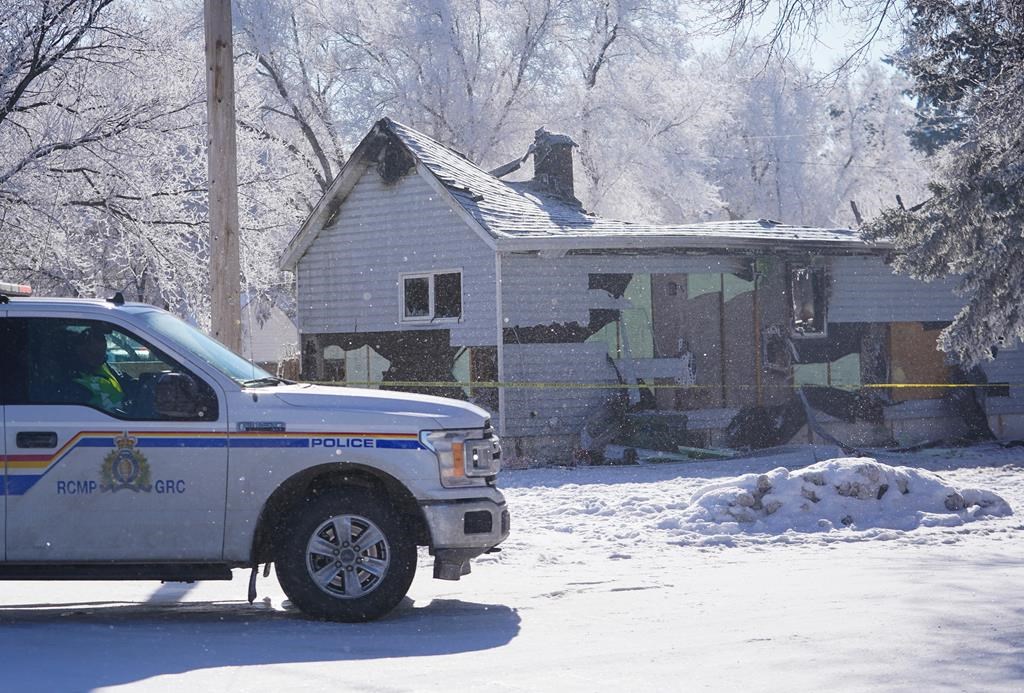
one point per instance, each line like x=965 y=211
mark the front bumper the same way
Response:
x=461 y=530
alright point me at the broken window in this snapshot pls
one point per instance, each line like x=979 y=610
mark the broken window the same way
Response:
x=614 y=284
x=434 y=296
x=807 y=289
x=448 y=295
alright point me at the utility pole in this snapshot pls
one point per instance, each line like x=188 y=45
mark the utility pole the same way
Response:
x=225 y=266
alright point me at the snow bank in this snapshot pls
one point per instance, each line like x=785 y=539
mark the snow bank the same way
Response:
x=857 y=493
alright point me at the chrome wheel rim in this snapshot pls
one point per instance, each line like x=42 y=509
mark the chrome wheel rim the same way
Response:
x=347 y=556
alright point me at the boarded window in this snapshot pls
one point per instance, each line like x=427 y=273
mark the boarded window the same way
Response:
x=334 y=364
x=734 y=286
x=916 y=361
x=700 y=284
x=461 y=370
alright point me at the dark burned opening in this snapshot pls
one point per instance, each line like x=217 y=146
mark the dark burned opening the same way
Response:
x=448 y=295
x=394 y=161
x=421 y=356
x=417 y=297
x=560 y=333
x=614 y=284
x=807 y=290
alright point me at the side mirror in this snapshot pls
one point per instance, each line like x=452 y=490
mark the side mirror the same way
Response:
x=178 y=397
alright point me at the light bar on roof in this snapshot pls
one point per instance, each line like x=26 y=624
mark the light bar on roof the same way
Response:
x=15 y=289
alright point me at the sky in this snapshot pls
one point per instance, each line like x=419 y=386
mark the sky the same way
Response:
x=837 y=35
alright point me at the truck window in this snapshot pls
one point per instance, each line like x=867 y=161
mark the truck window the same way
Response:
x=97 y=364
x=12 y=386
x=203 y=347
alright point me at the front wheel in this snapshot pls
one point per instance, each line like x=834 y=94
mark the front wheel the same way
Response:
x=345 y=557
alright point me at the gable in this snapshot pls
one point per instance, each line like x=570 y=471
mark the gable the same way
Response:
x=348 y=277
x=383 y=154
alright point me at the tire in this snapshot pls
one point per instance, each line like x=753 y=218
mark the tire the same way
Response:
x=328 y=574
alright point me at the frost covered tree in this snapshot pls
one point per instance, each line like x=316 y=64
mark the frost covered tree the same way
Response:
x=642 y=109
x=82 y=127
x=103 y=161
x=293 y=75
x=769 y=161
x=869 y=157
x=972 y=225
x=465 y=71
x=966 y=62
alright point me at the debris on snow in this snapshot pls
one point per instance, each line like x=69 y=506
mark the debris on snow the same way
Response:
x=858 y=493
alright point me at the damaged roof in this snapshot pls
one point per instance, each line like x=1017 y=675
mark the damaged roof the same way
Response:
x=514 y=216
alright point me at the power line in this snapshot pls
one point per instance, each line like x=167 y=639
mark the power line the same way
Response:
x=824 y=164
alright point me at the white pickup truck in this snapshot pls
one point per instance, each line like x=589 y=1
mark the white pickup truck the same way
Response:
x=136 y=447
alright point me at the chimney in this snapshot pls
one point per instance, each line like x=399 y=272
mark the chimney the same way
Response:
x=552 y=165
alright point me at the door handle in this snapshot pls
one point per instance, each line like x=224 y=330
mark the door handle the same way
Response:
x=37 y=439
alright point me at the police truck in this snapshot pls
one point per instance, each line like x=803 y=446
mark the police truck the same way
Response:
x=136 y=447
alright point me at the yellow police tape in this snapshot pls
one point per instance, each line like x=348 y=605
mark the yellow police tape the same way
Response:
x=651 y=386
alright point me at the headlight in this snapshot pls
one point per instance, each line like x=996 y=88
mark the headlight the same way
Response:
x=465 y=457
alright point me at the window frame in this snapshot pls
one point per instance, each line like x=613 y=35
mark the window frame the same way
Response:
x=161 y=355
x=6 y=345
x=431 y=317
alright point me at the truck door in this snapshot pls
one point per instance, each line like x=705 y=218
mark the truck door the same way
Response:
x=97 y=469
x=5 y=387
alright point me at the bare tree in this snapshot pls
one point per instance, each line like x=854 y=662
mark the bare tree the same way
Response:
x=782 y=25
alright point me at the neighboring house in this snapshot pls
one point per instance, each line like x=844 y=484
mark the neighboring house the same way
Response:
x=418 y=267
x=271 y=340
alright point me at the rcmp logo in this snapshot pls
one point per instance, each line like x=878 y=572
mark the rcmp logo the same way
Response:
x=125 y=468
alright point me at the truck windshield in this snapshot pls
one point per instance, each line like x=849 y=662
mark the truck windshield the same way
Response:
x=209 y=350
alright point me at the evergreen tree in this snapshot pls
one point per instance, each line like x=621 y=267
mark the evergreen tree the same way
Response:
x=952 y=51
x=967 y=60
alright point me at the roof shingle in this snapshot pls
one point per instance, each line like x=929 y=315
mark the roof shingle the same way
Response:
x=518 y=216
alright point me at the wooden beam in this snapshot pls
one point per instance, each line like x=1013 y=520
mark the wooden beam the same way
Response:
x=225 y=265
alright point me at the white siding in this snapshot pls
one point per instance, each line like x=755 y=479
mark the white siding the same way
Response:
x=274 y=340
x=348 y=279
x=539 y=291
x=864 y=289
x=1008 y=367
x=554 y=410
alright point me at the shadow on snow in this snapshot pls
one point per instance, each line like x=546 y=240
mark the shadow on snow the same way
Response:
x=82 y=646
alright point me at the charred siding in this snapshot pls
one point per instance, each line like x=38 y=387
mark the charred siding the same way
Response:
x=539 y=291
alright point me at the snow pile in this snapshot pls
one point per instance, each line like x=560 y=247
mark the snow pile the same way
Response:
x=858 y=493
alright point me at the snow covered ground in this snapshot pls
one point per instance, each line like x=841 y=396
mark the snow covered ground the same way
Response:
x=611 y=580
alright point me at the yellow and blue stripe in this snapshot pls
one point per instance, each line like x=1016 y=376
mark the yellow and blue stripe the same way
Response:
x=23 y=471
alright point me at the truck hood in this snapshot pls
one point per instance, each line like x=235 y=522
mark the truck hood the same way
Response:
x=385 y=405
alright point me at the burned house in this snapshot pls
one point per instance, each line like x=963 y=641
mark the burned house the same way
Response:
x=419 y=270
